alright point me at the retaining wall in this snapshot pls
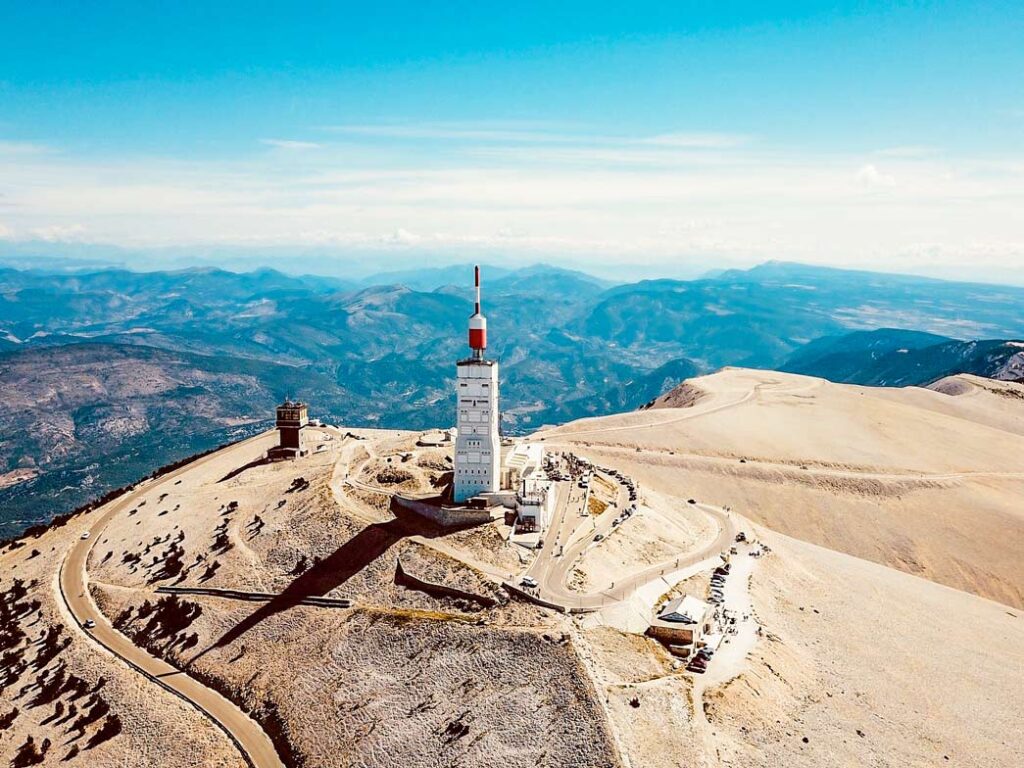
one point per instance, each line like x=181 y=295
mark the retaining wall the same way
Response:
x=405 y=579
x=446 y=517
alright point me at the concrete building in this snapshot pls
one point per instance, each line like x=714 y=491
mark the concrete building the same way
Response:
x=534 y=510
x=534 y=499
x=292 y=418
x=682 y=625
x=524 y=461
x=478 y=444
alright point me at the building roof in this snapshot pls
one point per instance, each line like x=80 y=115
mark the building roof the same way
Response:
x=525 y=455
x=685 y=610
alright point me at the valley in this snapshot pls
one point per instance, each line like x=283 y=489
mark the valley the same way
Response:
x=108 y=375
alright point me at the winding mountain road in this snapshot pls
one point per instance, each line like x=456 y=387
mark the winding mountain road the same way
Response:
x=685 y=459
x=251 y=740
x=695 y=411
x=557 y=590
x=571 y=534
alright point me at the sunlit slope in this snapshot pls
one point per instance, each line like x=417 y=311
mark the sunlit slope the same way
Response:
x=863 y=665
x=918 y=480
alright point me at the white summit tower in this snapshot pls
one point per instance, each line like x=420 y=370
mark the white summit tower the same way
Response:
x=478 y=445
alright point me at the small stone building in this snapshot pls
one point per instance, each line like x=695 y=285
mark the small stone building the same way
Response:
x=682 y=625
x=292 y=418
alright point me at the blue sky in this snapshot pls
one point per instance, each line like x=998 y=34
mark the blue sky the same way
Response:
x=682 y=135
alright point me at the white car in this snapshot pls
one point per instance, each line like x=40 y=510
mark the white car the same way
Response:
x=85 y=535
x=89 y=624
x=528 y=581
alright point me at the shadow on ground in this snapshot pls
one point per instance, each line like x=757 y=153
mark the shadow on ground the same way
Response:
x=333 y=571
x=239 y=470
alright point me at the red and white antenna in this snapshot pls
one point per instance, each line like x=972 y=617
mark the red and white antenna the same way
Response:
x=477 y=323
x=476 y=278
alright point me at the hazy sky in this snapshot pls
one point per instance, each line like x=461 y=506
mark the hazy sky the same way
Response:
x=676 y=135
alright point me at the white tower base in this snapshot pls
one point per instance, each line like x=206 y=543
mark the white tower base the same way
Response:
x=478 y=445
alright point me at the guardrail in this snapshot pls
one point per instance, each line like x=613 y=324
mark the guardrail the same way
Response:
x=515 y=591
x=257 y=597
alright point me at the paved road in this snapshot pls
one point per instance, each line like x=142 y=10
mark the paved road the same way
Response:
x=693 y=412
x=248 y=736
x=684 y=458
x=570 y=534
x=553 y=586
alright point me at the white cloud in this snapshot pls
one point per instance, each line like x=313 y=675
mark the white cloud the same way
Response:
x=910 y=150
x=401 y=237
x=290 y=144
x=23 y=148
x=56 y=233
x=870 y=176
x=6 y=233
x=517 y=134
x=655 y=204
x=697 y=140
x=454 y=132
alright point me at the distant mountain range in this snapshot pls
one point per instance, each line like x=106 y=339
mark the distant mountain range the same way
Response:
x=157 y=365
x=890 y=357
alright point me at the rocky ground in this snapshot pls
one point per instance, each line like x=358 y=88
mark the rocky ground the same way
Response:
x=865 y=653
x=404 y=675
x=62 y=701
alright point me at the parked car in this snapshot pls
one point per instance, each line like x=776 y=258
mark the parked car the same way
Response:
x=528 y=581
x=599 y=537
x=85 y=535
